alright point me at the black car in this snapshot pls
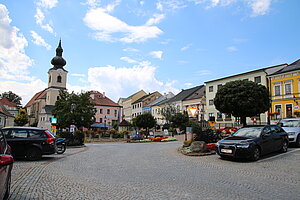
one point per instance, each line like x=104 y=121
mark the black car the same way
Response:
x=30 y=142
x=6 y=164
x=252 y=142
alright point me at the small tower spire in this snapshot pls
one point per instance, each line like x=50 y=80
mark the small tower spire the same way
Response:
x=58 y=60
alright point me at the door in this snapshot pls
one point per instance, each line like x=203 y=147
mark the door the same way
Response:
x=289 y=110
x=17 y=140
x=267 y=140
x=276 y=137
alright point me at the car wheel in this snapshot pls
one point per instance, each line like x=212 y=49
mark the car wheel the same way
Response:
x=7 y=192
x=33 y=154
x=284 y=147
x=255 y=154
x=298 y=141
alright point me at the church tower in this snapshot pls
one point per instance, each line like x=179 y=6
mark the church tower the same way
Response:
x=57 y=77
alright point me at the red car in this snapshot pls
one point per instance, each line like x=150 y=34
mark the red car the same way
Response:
x=6 y=164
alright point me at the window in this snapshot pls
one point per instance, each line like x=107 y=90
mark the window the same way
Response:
x=228 y=116
x=219 y=86
x=116 y=112
x=245 y=79
x=19 y=134
x=101 y=120
x=49 y=79
x=219 y=116
x=101 y=111
x=34 y=134
x=59 y=79
x=211 y=102
x=289 y=110
x=57 y=98
x=211 y=88
x=108 y=111
x=257 y=79
x=288 y=88
x=278 y=111
x=277 y=90
x=211 y=117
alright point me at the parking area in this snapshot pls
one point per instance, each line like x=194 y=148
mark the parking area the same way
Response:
x=154 y=171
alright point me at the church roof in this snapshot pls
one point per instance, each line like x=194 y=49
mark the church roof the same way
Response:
x=58 y=61
x=38 y=95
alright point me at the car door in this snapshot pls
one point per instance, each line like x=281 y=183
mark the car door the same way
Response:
x=276 y=137
x=17 y=140
x=267 y=141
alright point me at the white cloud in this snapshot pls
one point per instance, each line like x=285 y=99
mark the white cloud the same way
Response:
x=186 y=47
x=24 y=90
x=13 y=60
x=142 y=3
x=38 y=40
x=129 y=60
x=129 y=49
x=125 y=81
x=188 y=84
x=231 y=48
x=214 y=3
x=155 y=20
x=106 y=25
x=110 y=7
x=47 y=4
x=170 y=5
x=39 y=19
x=156 y=54
x=203 y=72
x=259 y=7
x=78 y=75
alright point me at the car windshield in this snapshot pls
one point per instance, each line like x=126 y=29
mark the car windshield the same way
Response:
x=251 y=132
x=289 y=123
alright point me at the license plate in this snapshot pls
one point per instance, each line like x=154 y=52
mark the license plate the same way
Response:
x=226 y=150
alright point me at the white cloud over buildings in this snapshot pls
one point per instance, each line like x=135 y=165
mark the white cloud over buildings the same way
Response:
x=38 y=40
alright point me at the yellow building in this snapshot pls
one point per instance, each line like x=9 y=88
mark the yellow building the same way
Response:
x=284 y=87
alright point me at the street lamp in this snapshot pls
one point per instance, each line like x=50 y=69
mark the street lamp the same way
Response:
x=73 y=108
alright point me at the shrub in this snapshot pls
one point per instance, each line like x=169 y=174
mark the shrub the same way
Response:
x=188 y=142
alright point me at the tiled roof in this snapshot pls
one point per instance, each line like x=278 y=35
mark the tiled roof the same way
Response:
x=291 y=67
x=101 y=100
x=38 y=95
x=4 y=111
x=124 y=99
x=184 y=94
x=5 y=101
x=200 y=92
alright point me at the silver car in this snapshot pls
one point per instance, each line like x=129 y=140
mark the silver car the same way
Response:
x=292 y=127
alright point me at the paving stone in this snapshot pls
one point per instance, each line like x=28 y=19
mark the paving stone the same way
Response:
x=153 y=171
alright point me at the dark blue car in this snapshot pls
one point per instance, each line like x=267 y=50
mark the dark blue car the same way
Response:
x=252 y=142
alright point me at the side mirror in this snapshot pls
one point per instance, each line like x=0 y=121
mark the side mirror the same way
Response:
x=6 y=160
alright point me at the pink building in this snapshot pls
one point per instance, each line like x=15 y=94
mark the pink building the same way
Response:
x=107 y=111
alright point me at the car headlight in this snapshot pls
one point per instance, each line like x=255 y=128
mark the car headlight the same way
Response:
x=291 y=133
x=243 y=145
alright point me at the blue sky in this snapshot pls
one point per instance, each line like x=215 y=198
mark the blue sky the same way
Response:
x=121 y=46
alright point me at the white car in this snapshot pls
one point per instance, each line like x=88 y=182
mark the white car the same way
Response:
x=292 y=127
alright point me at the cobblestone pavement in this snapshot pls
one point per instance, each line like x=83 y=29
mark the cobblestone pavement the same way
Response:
x=154 y=171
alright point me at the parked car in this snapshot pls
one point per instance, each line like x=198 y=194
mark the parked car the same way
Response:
x=6 y=164
x=30 y=142
x=252 y=142
x=292 y=127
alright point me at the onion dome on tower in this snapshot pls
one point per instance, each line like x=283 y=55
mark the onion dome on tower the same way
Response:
x=58 y=62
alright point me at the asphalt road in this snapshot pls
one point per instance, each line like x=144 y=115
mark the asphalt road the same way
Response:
x=154 y=171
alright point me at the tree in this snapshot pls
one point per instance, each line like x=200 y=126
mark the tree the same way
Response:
x=21 y=119
x=76 y=109
x=168 y=112
x=179 y=120
x=242 y=98
x=145 y=121
x=12 y=97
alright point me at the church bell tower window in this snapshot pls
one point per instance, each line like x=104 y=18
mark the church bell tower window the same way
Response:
x=49 y=79
x=59 y=79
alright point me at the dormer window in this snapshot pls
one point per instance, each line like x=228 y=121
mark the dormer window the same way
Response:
x=59 y=79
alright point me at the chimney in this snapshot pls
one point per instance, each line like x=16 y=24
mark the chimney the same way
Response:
x=103 y=94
